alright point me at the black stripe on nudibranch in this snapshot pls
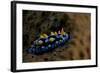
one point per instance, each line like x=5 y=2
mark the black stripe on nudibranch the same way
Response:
x=47 y=43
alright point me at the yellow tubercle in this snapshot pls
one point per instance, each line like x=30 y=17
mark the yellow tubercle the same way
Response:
x=52 y=33
x=45 y=35
x=51 y=39
x=62 y=31
x=41 y=36
x=55 y=33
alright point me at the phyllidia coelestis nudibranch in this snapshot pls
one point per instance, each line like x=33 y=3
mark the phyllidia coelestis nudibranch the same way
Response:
x=46 y=43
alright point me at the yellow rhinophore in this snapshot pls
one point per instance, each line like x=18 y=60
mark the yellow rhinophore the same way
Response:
x=52 y=33
x=62 y=31
x=45 y=35
x=55 y=33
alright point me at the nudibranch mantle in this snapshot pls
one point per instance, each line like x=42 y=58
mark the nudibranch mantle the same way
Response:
x=47 y=43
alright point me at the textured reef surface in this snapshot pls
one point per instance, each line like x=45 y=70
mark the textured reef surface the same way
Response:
x=44 y=33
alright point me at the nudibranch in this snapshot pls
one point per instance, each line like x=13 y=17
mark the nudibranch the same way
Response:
x=46 y=43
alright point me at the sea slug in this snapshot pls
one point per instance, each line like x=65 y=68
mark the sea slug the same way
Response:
x=46 y=43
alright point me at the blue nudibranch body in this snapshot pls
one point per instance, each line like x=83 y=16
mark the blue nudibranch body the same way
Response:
x=47 y=43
